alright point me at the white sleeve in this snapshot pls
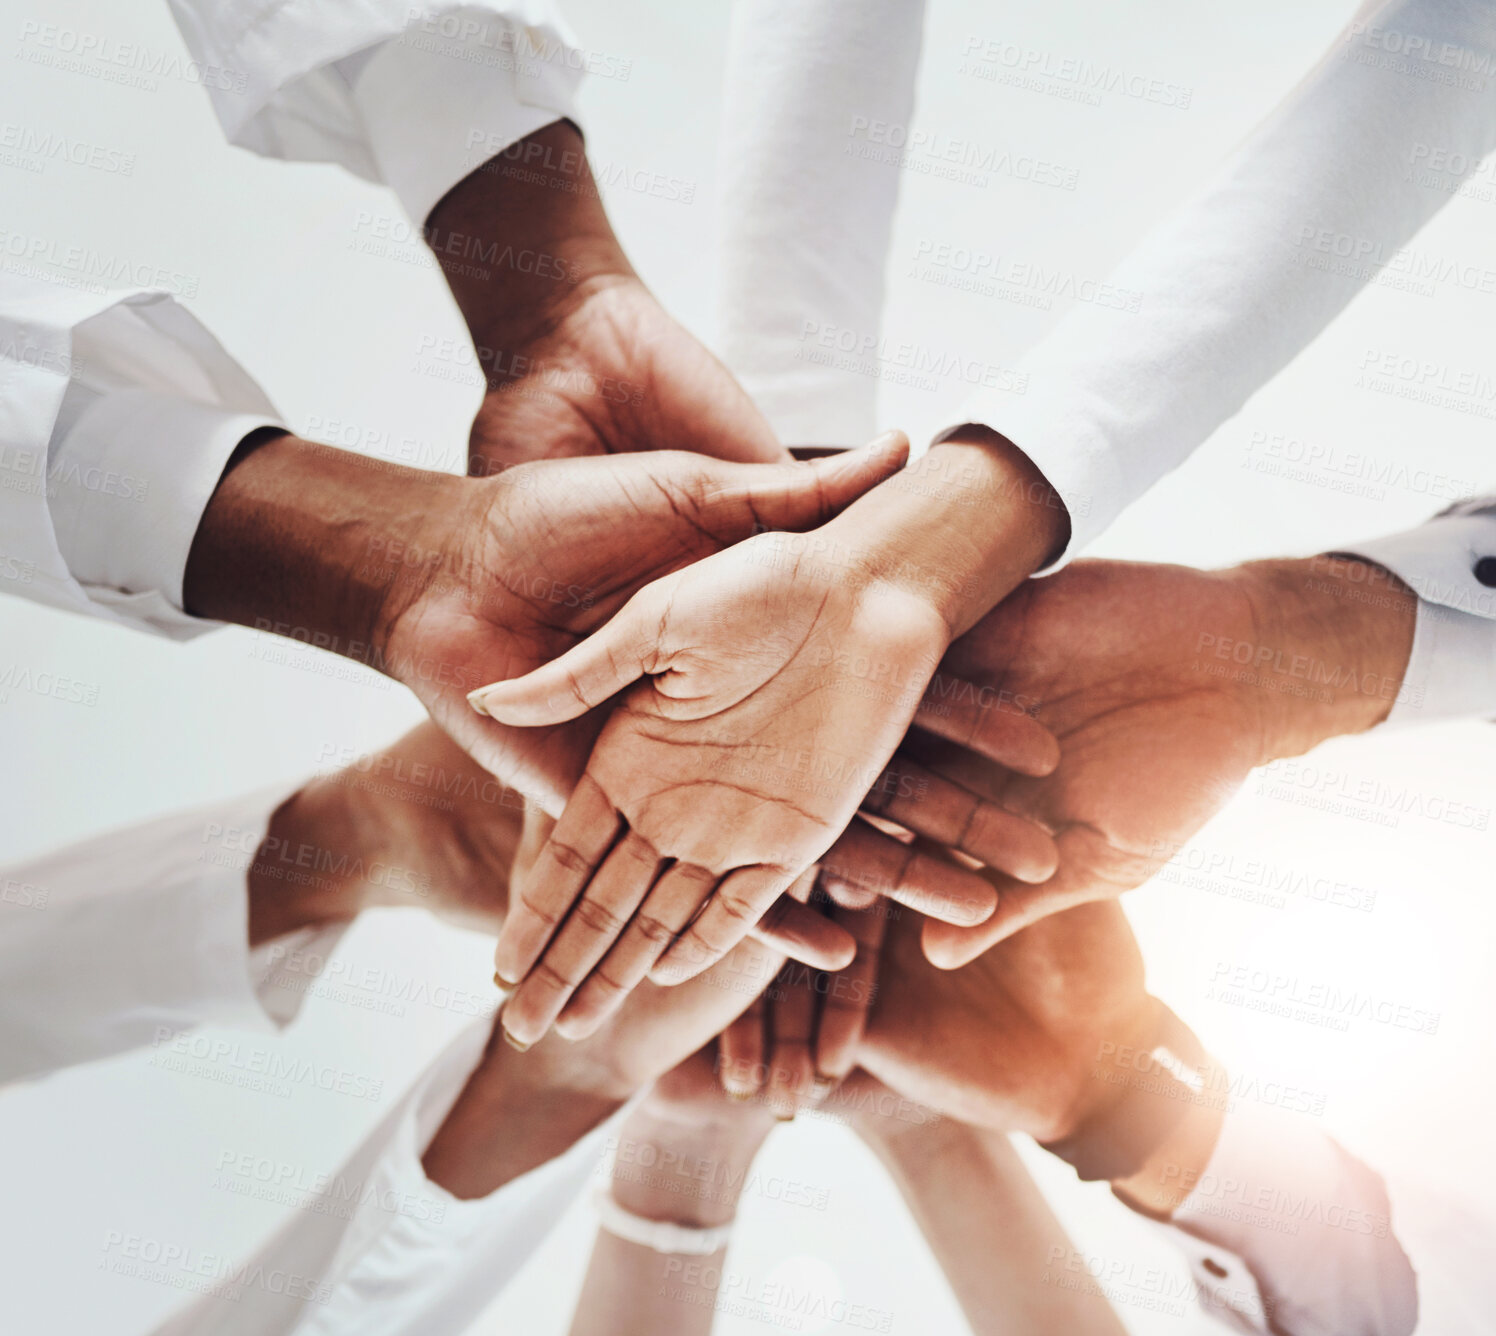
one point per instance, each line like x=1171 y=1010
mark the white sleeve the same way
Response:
x=1450 y=563
x=381 y=1250
x=413 y=93
x=1301 y=217
x=132 y=937
x=1288 y=1233
x=118 y=412
x=806 y=218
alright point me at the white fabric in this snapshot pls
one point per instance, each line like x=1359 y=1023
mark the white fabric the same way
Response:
x=118 y=411
x=131 y=937
x=1288 y=1233
x=394 y=90
x=411 y=1259
x=1452 y=669
x=1235 y=284
x=806 y=222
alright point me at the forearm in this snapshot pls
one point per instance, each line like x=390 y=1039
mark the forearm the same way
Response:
x=517 y=1112
x=991 y=1230
x=519 y=238
x=300 y=540
x=687 y=1173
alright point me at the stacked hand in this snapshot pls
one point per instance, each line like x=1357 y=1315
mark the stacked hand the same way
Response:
x=1138 y=670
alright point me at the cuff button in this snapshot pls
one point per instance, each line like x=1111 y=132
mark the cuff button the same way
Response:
x=1485 y=572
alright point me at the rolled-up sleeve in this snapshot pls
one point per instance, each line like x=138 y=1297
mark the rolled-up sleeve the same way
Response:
x=410 y=94
x=118 y=414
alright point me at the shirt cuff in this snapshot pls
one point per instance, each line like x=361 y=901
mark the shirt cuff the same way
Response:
x=1313 y=1225
x=424 y=1260
x=436 y=106
x=1451 y=671
x=153 y=921
x=129 y=482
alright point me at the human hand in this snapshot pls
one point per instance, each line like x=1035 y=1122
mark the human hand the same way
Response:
x=519 y=1110
x=373 y=833
x=738 y=762
x=1137 y=669
x=578 y=356
x=799 y=1039
x=445 y=583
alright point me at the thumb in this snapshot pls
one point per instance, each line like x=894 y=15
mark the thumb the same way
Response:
x=617 y=653
x=762 y=497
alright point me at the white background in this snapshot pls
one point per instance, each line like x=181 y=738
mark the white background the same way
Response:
x=278 y=259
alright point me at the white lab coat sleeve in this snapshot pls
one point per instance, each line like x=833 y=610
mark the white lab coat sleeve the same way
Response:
x=1450 y=563
x=118 y=413
x=1287 y=1232
x=413 y=93
x=806 y=219
x=131 y=937
x=1303 y=215
x=381 y=1250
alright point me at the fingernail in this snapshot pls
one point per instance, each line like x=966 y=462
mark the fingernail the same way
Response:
x=475 y=699
x=502 y=982
x=514 y=1043
x=737 y=1096
x=784 y=1117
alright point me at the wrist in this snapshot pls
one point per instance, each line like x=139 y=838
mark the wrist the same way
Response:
x=517 y=1111
x=686 y=1173
x=959 y=528
x=1336 y=635
x=314 y=829
x=521 y=239
x=303 y=540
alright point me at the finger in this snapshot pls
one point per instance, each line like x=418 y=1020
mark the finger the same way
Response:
x=753 y=498
x=667 y=909
x=740 y=1052
x=578 y=843
x=981 y=720
x=909 y=874
x=849 y=997
x=621 y=883
x=620 y=651
x=951 y=815
x=740 y=900
x=792 y=1010
x=805 y=935
x=949 y=947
